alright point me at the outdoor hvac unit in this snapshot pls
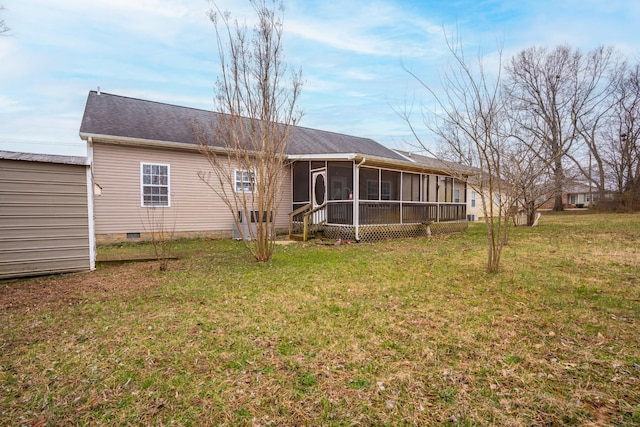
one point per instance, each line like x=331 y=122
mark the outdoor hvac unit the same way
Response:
x=471 y=217
x=249 y=225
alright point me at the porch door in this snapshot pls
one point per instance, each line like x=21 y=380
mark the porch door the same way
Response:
x=319 y=195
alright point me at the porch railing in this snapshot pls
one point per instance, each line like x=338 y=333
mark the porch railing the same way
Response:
x=371 y=213
x=301 y=221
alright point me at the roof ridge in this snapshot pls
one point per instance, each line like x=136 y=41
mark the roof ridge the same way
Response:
x=218 y=112
x=153 y=102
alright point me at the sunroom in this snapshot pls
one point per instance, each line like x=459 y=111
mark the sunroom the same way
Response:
x=366 y=198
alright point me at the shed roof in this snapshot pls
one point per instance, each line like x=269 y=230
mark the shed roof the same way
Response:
x=131 y=118
x=44 y=158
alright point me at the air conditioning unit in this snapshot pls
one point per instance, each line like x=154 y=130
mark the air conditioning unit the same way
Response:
x=471 y=217
x=248 y=225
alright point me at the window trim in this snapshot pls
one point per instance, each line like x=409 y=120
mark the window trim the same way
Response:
x=143 y=185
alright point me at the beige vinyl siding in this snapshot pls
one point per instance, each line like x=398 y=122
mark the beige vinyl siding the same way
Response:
x=460 y=186
x=194 y=207
x=44 y=224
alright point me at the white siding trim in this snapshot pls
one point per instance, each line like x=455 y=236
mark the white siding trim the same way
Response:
x=90 y=213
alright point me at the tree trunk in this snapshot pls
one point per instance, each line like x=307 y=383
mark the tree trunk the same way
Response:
x=531 y=213
x=558 y=176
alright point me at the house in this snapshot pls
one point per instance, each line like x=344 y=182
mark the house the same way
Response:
x=45 y=215
x=145 y=158
x=577 y=195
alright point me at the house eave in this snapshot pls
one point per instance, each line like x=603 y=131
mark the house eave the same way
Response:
x=370 y=160
x=326 y=156
x=139 y=142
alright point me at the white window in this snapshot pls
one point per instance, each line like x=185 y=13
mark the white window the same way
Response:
x=456 y=196
x=244 y=181
x=154 y=184
x=473 y=199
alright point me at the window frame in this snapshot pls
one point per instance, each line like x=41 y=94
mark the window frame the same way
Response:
x=144 y=204
x=385 y=190
x=245 y=185
x=373 y=189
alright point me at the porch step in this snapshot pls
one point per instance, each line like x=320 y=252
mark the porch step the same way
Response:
x=300 y=237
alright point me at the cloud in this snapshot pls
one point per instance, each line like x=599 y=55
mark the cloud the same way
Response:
x=352 y=53
x=367 y=28
x=9 y=105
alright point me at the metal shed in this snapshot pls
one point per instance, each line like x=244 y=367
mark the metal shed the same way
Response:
x=46 y=218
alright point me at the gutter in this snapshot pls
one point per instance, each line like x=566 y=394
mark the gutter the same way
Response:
x=356 y=198
x=152 y=143
x=90 y=206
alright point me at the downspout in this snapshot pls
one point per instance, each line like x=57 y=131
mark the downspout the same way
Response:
x=90 y=210
x=400 y=195
x=438 y=198
x=356 y=198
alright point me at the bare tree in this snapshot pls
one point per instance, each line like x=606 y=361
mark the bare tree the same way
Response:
x=248 y=142
x=3 y=26
x=468 y=119
x=161 y=230
x=601 y=72
x=621 y=138
x=528 y=174
x=546 y=94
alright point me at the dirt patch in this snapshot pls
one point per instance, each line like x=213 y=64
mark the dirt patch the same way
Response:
x=284 y=242
x=106 y=282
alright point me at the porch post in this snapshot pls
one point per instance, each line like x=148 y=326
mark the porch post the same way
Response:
x=400 y=195
x=356 y=199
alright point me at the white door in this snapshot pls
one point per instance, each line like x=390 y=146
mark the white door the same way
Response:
x=319 y=196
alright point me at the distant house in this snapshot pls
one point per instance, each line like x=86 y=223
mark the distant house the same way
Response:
x=144 y=156
x=45 y=215
x=575 y=196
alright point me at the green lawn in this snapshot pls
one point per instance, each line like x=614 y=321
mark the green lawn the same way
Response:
x=409 y=332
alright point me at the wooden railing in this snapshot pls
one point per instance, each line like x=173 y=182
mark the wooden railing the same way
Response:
x=394 y=212
x=301 y=221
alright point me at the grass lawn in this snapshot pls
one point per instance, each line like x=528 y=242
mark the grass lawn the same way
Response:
x=409 y=332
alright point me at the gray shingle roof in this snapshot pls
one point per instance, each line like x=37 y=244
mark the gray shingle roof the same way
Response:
x=437 y=164
x=120 y=116
x=43 y=158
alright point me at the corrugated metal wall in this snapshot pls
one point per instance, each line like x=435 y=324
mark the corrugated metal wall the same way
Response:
x=44 y=223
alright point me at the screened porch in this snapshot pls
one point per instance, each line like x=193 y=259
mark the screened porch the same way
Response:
x=348 y=197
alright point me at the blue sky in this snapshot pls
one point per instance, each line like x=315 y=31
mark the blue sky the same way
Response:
x=351 y=54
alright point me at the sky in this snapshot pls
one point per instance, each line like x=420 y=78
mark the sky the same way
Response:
x=354 y=56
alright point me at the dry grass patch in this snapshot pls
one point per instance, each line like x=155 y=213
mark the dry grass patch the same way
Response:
x=407 y=332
